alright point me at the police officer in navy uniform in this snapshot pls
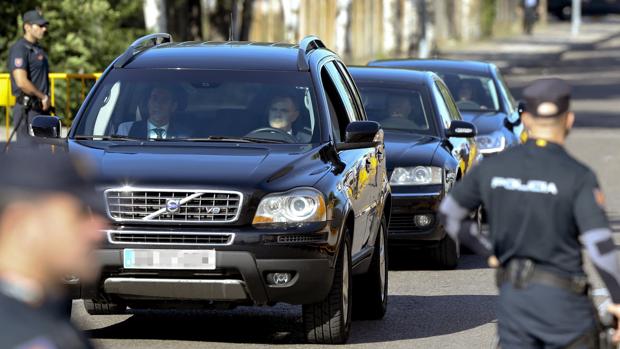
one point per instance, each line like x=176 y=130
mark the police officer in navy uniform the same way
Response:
x=29 y=71
x=50 y=226
x=543 y=208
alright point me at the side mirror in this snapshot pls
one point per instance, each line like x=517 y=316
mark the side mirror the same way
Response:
x=46 y=126
x=461 y=129
x=510 y=125
x=520 y=108
x=362 y=134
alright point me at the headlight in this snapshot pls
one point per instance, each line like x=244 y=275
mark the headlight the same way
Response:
x=303 y=205
x=491 y=143
x=420 y=175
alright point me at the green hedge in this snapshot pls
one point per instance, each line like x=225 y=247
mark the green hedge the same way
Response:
x=487 y=17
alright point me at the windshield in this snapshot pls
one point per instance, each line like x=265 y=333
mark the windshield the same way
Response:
x=472 y=92
x=204 y=105
x=400 y=109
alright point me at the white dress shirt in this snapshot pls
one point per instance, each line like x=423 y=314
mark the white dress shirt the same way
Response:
x=153 y=134
x=125 y=127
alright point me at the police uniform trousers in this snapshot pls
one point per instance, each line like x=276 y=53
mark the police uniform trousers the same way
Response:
x=541 y=316
x=22 y=134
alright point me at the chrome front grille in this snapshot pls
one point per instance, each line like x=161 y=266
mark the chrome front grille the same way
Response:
x=173 y=206
x=169 y=238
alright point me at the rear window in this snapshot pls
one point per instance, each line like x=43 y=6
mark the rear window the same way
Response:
x=472 y=92
x=397 y=108
x=166 y=104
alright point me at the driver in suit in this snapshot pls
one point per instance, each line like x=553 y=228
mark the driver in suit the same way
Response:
x=160 y=105
x=283 y=111
x=401 y=112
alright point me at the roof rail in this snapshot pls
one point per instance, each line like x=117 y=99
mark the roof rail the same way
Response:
x=307 y=45
x=140 y=45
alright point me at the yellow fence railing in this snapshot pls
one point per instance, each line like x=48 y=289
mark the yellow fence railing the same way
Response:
x=7 y=100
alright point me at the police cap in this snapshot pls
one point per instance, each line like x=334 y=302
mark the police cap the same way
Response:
x=547 y=97
x=35 y=172
x=34 y=17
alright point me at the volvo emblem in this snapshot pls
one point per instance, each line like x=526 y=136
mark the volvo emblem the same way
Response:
x=173 y=205
x=213 y=210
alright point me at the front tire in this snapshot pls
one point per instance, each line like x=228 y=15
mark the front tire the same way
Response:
x=329 y=321
x=370 y=297
x=447 y=254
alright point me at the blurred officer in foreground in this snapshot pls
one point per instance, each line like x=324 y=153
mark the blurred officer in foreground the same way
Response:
x=543 y=206
x=29 y=74
x=49 y=227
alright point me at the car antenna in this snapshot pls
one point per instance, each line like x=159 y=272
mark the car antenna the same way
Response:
x=231 y=31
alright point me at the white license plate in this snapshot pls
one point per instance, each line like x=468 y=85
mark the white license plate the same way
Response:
x=169 y=259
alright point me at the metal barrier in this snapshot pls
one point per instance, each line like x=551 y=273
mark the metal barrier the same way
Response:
x=7 y=100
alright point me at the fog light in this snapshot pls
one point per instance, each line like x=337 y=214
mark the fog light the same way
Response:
x=423 y=220
x=279 y=278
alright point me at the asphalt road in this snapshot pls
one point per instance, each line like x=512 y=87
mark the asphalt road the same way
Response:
x=427 y=309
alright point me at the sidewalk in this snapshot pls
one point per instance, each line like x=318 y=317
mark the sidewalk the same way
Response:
x=546 y=46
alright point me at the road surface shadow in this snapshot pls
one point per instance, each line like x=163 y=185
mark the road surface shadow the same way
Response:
x=408 y=317
x=277 y=325
x=422 y=259
x=413 y=317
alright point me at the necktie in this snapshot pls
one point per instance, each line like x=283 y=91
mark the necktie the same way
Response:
x=159 y=132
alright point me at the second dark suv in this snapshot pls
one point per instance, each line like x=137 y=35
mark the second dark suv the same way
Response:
x=236 y=173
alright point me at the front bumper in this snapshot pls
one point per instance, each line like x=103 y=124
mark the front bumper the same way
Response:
x=239 y=276
x=406 y=204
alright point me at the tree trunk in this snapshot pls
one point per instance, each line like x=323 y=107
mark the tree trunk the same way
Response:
x=343 y=24
x=155 y=15
x=290 y=12
x=390 y=25
x=246 y=20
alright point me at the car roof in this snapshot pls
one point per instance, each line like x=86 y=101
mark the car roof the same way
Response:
x=443 y=65
x=390 y=75
x=228 y=55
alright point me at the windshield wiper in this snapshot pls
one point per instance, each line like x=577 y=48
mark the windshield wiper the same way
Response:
x=107 y=138
x=232 y=139
x=399 y=129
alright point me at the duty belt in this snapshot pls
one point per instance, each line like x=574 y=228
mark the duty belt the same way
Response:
x=522 y=272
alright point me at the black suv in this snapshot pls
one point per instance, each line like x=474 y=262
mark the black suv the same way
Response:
x=236 y=173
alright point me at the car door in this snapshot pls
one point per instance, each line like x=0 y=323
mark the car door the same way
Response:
x=463 y=149
x=375 y=164
x=357 y=160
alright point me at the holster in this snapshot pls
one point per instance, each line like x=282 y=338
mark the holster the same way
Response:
x=29 y=102
x=520 y=272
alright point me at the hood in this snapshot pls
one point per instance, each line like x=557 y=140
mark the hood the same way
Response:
x=207 y=165
x=408 y=149
x=485 y=122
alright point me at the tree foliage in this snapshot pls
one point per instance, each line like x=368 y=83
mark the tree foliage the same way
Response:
x=488 y=17
x=83 y=35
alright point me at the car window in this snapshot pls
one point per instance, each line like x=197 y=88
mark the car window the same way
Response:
x=397 y=108
x=442 y=108
x=511 y=101
x=339 y=116
x=472 y=92
x=447 y=97
x=343 y=91
x=277 y=106
x=352 y=89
